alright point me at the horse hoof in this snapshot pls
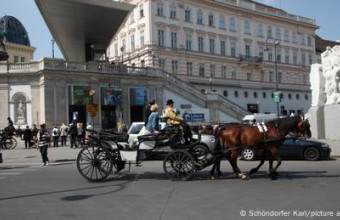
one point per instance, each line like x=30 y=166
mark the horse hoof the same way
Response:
x=212 y=178
x=245 y=178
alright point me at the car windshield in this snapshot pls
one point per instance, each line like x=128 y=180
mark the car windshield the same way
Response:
x=135 y=129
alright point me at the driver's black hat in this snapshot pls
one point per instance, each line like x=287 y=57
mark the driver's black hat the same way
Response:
x=170 y=102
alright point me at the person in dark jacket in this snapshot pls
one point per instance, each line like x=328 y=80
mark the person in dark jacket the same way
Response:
x=27 y=137
x=148 y=111
x=73 y=132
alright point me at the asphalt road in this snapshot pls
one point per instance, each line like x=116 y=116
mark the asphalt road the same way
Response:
x=303 y=190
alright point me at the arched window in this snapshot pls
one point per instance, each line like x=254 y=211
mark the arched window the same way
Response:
x=260 y=30
x=225 y=93
x=211 y=20
x=245 y=94
x=278 y=33
x=255 y=94
x=236 y=94
x=297 y=96
x=264 y=95
x=199 y=17
x=247 y=28
x=269 y=32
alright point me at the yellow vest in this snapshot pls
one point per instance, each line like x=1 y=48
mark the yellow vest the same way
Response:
x=171 y=116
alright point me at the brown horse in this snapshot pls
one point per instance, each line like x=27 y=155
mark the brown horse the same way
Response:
x=235 y=137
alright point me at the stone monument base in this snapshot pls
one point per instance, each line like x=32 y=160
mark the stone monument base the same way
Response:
x=332 y=119
x=317 y=122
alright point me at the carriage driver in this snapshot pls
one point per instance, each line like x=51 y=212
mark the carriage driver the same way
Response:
x=173 y=119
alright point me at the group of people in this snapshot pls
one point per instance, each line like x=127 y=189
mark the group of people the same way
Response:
x=171 y=118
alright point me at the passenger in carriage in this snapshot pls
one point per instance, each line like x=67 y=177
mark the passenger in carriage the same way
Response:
x=152 y=127
x=173 y=119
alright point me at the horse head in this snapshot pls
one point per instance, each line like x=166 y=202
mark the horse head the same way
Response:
x=304 y=128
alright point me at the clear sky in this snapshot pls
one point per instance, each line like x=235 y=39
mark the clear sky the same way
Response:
x=325 y=12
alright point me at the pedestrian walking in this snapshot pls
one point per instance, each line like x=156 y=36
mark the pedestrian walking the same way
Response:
x=27 y=137
x=43 y=140
x=63 y=133
x=55 y=135
x=73 y=134
x=80 y=135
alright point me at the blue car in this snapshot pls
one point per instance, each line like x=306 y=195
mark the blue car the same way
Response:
x=295 y=148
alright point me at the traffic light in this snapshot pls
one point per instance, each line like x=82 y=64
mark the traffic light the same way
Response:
x=277 y=96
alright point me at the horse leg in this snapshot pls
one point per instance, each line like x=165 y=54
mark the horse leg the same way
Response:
x=275 y=154
x=216 y=166
x=263 y=158
x=233 y=163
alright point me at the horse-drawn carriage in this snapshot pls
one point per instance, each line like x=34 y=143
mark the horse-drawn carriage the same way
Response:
x=108 y=153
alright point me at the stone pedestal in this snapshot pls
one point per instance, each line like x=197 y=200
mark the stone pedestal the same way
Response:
x=332 y=119
x=317 y=122
x=21 y=120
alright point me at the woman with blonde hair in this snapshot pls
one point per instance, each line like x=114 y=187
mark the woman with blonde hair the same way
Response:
x=153 y=121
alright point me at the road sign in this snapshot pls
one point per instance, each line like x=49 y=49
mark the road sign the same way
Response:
x=277 y=96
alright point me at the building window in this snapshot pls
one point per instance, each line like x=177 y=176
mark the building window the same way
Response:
x=262 y=76
x=294 y=58
x=232 y=25
x=132 y=17
x=260 y=30
x=269 y=32
x=270 y=56
x=132 y=43
x=200 y=44
x=294 y=38
x=303 y=59
x=22 y=59
x=306 y=96
x=211 y=20
x=261 y=54
x=234 y=73
x=141 y=11
x=212 y=46
x=188 y=42
x=271 y=74
x=264 y=95
x=160 y=9
x=278 y=34
x=247 y=28
x=309 y=40
x=310 y=59
x=212 y=70
x=279 y=77
x=201 y=70
x=247 y=49
x=173 y=39
x=16 y=59
x=297 y=96
x=142 y=63
x=173 y=11
x=248 y=76
x=187 y=15
x=222 y=22
x=199 y=17
x=255 y=94
x=116 y=49
x=286 y=56
x=161 y=38
x=224 y=72
x=174 y=66
x=245 y=94
x=223 y=48
x=161 y=63
x=233 y=48
x=236 y=94
x=278 y=56
x=286 y=36
x=289 y=96
x=225 y=93
x=303 y=41
x=189 y=68
x=141 y=38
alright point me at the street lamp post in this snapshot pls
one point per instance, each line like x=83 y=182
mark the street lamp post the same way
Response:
x=52 y=41
x=122 y=50
x=277 y=93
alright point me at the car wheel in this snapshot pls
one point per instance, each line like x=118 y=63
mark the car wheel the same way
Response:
x=311 y=153
x=248 y=154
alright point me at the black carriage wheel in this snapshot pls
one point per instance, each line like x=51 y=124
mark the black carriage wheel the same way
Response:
x=311 y=153
x=94 y=163
x=179 y=165
x=200 y=150
x=14 y=143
